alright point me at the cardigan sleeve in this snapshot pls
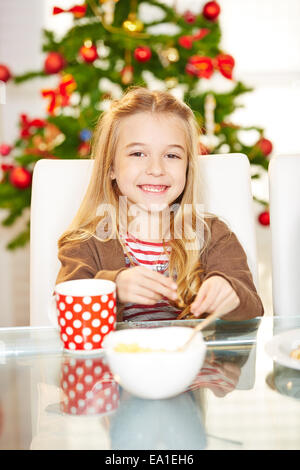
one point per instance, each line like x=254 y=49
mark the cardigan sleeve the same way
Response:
x=225 y=257
x=79 y=261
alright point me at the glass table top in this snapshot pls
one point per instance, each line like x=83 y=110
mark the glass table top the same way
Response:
x=241 y=398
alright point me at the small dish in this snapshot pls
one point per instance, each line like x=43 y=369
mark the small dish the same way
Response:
x=161 y=372
x=281 y=346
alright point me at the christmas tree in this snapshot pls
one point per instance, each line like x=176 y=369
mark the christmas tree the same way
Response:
x=114 y=44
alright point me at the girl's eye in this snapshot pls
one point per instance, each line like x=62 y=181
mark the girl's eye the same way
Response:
x=141 y=154
x=137 y=154
x=172 y=155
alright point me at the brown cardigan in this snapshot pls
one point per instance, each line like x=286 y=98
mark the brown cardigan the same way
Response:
x=224 y=257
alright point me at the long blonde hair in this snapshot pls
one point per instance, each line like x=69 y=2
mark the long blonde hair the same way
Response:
x=183 y=263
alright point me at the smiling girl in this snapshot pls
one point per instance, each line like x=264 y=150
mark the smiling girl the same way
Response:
x=144 y=181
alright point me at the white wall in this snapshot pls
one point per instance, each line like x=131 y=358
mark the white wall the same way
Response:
x=20 y=49
x=264 y=37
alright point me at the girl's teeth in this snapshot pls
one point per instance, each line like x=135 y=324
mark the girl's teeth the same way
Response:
x=156 y=189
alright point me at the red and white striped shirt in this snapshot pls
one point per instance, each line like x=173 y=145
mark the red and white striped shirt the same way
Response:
x=151 y=255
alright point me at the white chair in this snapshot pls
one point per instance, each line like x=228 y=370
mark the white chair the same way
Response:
x=59 y=186
x=284 y=188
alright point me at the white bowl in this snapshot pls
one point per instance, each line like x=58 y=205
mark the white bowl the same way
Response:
x=155 y=374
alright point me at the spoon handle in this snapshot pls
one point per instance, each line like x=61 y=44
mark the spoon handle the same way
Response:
x=202 y=325
x=207 y=321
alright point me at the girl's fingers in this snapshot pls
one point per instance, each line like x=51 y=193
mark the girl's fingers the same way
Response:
x=147 y=293
x=142 y=282
x=160 y=278
x=224 y=303
x=201 y=295
x=205 y=306
x=154 y=287
x=141 y=300
x=220 y=302
x=204 y=299
x=215 y=295
x=159 y=284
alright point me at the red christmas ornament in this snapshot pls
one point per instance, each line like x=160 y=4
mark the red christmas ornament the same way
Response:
x=199 y=66
x=211 y=11
x=20 y=177
x=264 y=218
x=142 y=54
x=5 y=73
x=201 y=34
x=225 y=64
x=265 y=146
x=189 y=17
x=5 y=149
x=186 y=41
x=54 y=63
x=88 y=53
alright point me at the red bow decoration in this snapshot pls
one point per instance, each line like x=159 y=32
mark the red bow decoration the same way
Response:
x=27 y=124
x=78 y=10
x=187 y=41
x=203 y=67
x=60 y=96
x=225 y=64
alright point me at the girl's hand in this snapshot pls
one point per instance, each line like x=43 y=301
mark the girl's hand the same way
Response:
x=215 y=295
x=140 y=285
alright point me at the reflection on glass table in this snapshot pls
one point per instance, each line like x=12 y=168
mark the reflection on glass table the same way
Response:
x=285 y=376
x=54 y=400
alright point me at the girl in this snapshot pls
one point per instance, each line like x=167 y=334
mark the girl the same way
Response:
x=145 y=179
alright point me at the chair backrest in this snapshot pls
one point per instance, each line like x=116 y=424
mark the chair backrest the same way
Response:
x=58 y=188
x=284 y=188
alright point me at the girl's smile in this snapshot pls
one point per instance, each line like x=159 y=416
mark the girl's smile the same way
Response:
x=154 y=188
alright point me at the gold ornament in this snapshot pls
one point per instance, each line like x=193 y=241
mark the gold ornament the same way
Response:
x=88 y=43
x=44 y=144
x=127 y=74
x=167 y=55
x=133 y=24
x=171 y=54
x=171 y=82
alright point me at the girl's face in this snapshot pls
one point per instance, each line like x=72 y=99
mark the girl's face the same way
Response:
x=151 y=160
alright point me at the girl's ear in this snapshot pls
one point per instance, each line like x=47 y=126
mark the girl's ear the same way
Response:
x=112 y=174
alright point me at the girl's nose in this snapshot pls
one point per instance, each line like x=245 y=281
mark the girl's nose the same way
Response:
x=155 y=167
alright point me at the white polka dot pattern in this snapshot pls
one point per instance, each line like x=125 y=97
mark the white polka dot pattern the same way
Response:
x=85 y=321
x=88 y=386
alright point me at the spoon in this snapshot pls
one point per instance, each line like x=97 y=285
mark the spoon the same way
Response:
x=199 y=327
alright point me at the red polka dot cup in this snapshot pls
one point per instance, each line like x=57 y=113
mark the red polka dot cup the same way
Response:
x=86 y=313
x=88 y=387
